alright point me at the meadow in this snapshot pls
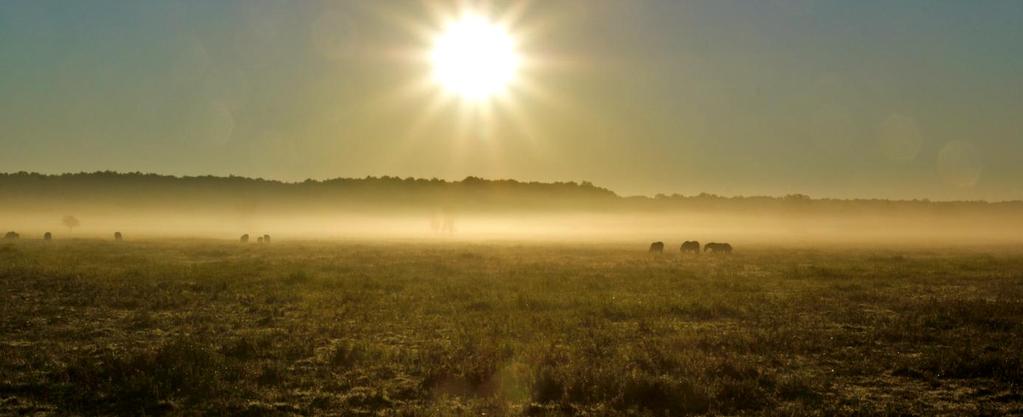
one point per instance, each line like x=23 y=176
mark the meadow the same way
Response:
x=390 y=328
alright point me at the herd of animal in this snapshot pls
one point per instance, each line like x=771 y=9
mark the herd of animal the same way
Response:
x=259 y=239
x=689 y=246
x=12 y=235
x=692 y=246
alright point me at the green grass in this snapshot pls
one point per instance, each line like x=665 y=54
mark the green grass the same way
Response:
x=347 y=329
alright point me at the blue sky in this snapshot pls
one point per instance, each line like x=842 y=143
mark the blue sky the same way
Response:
x=906 y=99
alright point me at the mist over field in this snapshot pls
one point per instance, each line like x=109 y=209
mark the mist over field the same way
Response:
x=471 y=209
x=492 y=208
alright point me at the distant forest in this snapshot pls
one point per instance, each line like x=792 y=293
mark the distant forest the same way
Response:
x=138 y=191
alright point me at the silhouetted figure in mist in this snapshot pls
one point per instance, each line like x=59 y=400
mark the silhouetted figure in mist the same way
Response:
x=435 y=222
x=690 y=246
x=717 y=248
x=449 y=225
x=245 y=238
x=12 y=236
x=118 y=236
x=657 y=247
x=47 y=236
x=443 y=221
x=266 y=238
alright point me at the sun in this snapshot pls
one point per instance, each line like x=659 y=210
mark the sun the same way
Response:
x=474 y=58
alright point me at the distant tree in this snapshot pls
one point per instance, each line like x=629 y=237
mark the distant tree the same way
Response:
x=71 y=222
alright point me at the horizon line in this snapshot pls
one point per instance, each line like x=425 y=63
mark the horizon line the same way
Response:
x=582 y=183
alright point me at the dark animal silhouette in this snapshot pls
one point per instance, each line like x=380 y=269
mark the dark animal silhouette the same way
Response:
x=245 y=238
x=657 y=247
x=47 y=236
x=690 y=246
x=266 y=238
x=717 y=248
x=12 y=235
x=118 y=236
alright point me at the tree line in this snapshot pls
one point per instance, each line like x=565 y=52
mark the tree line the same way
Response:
x=24 y=190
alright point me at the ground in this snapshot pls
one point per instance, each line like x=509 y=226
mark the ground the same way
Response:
x=167 y=327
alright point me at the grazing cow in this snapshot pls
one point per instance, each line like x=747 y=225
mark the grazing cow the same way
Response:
x=47 y=236
x=245 y=238
x=12 y=235
x=657 y=247
x=717 y=248
x=266 y=238
x=118 y=236
x=690 y=246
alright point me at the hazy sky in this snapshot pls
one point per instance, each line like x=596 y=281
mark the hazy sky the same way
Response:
x=891 y=99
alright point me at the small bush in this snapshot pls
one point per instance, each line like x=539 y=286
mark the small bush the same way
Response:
x=145 y=382
x=663 y=395
x=970 y=362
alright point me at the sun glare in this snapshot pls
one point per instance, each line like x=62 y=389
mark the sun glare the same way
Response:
x=474 y=58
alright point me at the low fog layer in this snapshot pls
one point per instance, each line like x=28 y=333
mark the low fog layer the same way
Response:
x=146 y=206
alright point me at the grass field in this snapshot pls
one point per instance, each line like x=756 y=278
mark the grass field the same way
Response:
x=459 y=329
